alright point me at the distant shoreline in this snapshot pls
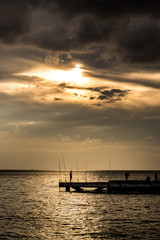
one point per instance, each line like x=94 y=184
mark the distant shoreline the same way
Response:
x=55 y=170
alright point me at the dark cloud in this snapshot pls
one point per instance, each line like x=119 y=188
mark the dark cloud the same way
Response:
x=95 y=89
x=108 y=8
x=91 y=98
x=139 y=41
x=91 y=31
x=126 y=30
x=14 y=19
x=102 y=97
x=112 y=95
x=77 y=35
x=98 y=56
x=55 y=39
x=58 y=99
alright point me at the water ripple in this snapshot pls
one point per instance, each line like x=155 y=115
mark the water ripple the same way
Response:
x=31 y=207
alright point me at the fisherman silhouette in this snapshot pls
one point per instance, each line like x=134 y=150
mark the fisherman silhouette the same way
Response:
x=70 y=176
x=127 y=174
x=156 y=178
x=148 y=179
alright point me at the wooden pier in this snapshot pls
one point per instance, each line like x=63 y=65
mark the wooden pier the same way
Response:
x=79 y=186
x=114 y=186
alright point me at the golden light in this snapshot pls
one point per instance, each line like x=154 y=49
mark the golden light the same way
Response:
x=13 y=87
x=74 y=76
x=143 y=75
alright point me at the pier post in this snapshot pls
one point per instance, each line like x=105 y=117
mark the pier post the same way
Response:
x=67 y=189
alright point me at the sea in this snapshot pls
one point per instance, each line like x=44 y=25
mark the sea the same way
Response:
x=33 y=207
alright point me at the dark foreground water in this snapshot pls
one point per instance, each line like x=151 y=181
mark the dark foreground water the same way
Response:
x=31 y=207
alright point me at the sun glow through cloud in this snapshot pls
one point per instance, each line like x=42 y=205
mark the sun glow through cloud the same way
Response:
x=74 y=76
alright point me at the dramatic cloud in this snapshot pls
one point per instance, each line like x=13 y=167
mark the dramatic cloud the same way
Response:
x=131 y=29
x=112 y=95
x=80 y=77
x=14 y=19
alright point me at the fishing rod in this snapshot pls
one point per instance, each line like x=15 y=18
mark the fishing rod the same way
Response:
x=77 y=170
x=86 y=170
x=59 y=169
x=109 y=167
x=64 y=166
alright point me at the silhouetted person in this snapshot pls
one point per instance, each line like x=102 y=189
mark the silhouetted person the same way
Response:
x=127 y=174
x=156 y=178
x=70 y=176
x=148 y=178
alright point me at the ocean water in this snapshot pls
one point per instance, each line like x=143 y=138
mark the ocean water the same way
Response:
x=33 y=207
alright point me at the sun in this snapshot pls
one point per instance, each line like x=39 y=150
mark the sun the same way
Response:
x=76 y=75
x=73 y=76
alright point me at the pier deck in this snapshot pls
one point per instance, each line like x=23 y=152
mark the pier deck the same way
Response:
x=114 y=186
x=78 y=186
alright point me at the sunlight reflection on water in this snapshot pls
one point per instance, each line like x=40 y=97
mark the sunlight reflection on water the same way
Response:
x=32 y=207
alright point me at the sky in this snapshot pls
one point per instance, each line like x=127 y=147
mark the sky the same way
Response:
x=80 y=84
